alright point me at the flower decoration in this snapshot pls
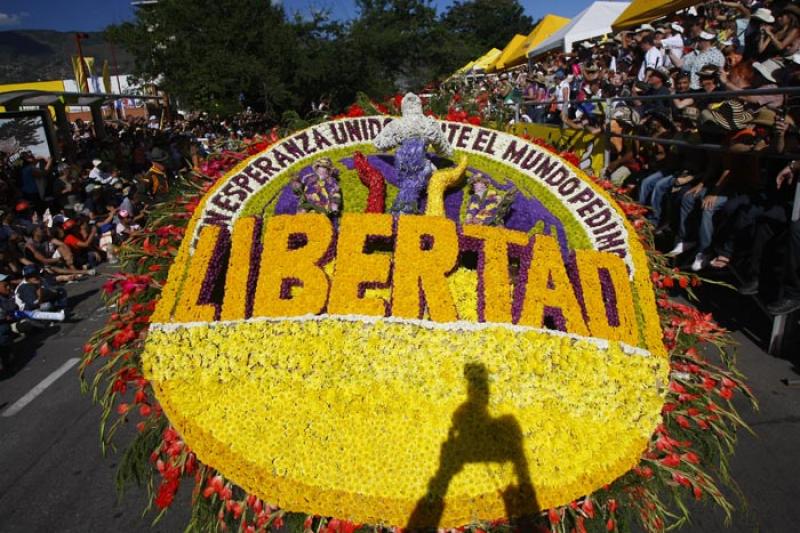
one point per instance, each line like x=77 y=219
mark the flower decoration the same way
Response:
x=366 y=370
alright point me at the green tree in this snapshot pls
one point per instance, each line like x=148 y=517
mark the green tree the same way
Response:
x=208 y=53
x=476 y=26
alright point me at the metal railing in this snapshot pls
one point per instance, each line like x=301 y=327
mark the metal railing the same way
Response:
x=779 y=322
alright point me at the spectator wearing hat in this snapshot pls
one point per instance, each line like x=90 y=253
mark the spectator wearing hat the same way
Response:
x=709 y=83
x=738 y=169
x=625 y=157
x=658 y=79
x=774 y=42
x=756 y=22
x=157 y=178
x=705 y=53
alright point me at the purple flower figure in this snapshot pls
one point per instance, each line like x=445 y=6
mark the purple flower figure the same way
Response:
x=319 y=191
x=488 y=206
x=414 y=170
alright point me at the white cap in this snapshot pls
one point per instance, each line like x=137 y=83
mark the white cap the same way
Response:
x=152 y=117
x=96 y=162
x=3 y=277
x=705 y=36
x=796 y=57
x=763 y=14
x=587 y=44
x=645 y=27
x=676 y=27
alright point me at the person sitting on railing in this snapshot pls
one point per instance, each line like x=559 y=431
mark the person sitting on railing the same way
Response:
x=719 y=183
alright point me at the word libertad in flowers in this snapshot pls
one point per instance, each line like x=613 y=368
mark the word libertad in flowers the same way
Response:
x=288 y=264
x=601 y=222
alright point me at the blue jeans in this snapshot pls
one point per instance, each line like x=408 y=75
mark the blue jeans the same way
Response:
x=706 y=231
x=652 y=191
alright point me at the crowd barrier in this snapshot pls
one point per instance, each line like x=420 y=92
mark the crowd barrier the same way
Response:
x=588 y=152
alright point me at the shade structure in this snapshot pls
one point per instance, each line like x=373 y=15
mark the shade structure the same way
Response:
x=512 y=44
x=643 y=11
x=466 y=68
x=593 y=21
x=519 y=53
x=486 y=60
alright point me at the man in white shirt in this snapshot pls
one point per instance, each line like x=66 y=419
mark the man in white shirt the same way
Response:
x=704 y=54
x=652 y=57
x=672 y=41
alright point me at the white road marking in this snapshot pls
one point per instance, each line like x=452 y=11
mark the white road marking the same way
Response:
x=20 y=404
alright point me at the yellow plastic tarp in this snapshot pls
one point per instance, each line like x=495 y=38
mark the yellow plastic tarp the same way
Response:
x=547 y=27
x=644 y=11
x=512 y=45
x=55 y=86
x=466 y=68
x=487 y=59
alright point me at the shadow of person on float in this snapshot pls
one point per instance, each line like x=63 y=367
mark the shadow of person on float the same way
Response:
x=477 y=437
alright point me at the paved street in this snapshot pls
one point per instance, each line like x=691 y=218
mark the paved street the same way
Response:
x=53 y=476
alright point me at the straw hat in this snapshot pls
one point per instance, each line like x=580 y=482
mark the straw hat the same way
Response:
x=676 y=27
x=627 y=116
x=730 y=115
x=764 y=117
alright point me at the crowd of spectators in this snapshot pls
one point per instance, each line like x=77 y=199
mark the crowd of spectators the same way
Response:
x=62 y=216
x=727 y=209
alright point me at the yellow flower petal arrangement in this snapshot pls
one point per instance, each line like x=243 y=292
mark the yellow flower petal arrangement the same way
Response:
x=476 y=363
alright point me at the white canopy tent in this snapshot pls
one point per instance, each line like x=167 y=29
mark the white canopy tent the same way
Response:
x=593 y=21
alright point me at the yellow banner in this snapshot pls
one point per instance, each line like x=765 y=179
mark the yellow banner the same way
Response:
x=82 y=72
x=590 y=148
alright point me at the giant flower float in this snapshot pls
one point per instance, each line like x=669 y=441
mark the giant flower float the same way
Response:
x=406 y=323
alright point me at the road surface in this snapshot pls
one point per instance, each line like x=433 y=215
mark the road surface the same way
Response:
x=53 y=476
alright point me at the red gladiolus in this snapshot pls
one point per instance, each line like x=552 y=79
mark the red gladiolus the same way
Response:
x=588 y=507
x=144 y=410
x=698 y=493
x=668 y=283
x=553 y=516
x=726 y=393
x=122 y=408
x=105 y=350
x=673 y=460
x=692 y=457
x=683 y=421
x=611 y=525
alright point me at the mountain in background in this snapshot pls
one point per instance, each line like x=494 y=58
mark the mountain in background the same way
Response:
x=41 y=55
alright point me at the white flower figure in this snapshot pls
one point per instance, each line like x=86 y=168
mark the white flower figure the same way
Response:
x=413 y=124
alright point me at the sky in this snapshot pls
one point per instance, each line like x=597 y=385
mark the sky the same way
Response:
x=94 y=15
